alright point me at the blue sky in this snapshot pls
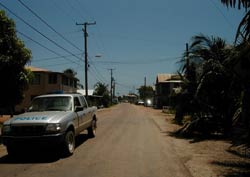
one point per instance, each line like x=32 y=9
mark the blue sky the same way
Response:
x=136 y=38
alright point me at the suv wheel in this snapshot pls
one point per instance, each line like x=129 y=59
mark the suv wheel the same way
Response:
x=69 y=143
x=92 y=129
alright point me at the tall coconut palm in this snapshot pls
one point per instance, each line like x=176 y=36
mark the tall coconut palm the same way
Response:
x=214 y=80
x=211 y=86
x=205 y=48
x=240 y=61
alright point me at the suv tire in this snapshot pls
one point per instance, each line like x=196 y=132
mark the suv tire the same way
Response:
x=69 y=143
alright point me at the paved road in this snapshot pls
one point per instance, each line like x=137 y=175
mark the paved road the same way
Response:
x=129 y=143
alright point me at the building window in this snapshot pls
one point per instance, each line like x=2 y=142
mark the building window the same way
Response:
x=36 y=80
x=52 y=78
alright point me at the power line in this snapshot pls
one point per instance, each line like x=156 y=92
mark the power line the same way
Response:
x=141 y=62
x=96 y=76
x=33 y=28
x=223 y=15
x=95 y=68
x=34 y=13
x=38 y=43
x=53 y=58
x=83 y=13
x=98 y=73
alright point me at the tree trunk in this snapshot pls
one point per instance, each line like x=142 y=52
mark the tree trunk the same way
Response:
x=246 y=108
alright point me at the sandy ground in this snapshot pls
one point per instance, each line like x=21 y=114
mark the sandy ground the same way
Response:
x=206 y=158
x=203 y=158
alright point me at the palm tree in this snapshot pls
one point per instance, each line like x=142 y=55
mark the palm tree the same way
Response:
x=210 y=87
x=243 y=31
x=240 y=61
x=233 y=3
x=101 y=89
x=214 y=79
x=205 y=48
x=222 y=74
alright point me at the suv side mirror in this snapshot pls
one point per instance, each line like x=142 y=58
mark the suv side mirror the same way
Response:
x=78 y=108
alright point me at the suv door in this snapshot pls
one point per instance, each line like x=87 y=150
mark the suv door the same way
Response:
x=83 y=114
x=88 y=115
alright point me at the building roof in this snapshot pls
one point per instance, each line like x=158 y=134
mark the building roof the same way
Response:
x=35 y=69
x=162 y=78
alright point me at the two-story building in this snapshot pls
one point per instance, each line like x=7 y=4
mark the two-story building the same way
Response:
x=45 y=82
x=165 y=83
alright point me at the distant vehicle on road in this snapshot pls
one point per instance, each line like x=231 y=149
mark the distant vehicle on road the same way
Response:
x=52 y=120
x=140 y=102
x=148 y=103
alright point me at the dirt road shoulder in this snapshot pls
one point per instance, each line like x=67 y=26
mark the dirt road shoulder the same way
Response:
x=211 y=157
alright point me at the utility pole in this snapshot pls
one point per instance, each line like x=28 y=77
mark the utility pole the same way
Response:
x=111 y=85
x=114 y=88
x=86 y=53
x=145 y=88
x=187 y=60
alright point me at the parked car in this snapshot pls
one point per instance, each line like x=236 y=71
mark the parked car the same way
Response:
x=140 y=102
x=52 y=120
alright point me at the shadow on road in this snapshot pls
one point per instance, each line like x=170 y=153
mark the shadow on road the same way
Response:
x=80 y=139
x=237 y=168
x=31 y=157
x=40 y=155
x=231 y=167
x=195 y=138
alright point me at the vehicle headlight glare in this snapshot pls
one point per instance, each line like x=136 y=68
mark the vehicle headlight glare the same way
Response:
x=53 y=128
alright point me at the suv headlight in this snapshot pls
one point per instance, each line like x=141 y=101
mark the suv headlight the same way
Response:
x=53 y=128
x=6 y=129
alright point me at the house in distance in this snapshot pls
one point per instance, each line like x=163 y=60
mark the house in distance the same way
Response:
x=46 y=82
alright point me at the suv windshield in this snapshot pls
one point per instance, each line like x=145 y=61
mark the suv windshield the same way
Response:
x=51 y=104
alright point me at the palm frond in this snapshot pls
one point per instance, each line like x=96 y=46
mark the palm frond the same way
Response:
x=243 y=31
x=233 y=3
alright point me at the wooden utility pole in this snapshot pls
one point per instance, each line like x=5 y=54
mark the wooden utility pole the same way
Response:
x=111 y=85
x=114 y=88
x=187 y=59
x=145 y=88
x=86 y=53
